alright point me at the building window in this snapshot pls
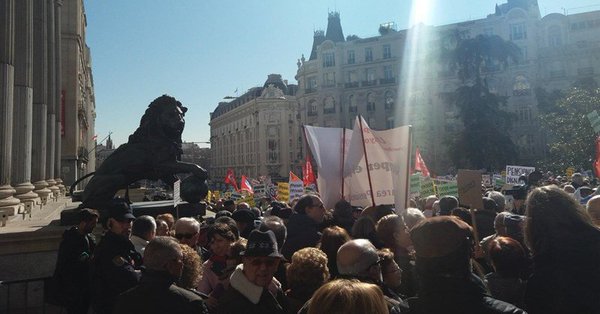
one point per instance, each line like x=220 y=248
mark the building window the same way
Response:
x=329 y=79
x=554 y=36
x=387 y=51
x=328 y=59
x=312 y=108
x=387 y=72
x=368 y=54
x=389 y=100
x=521 y=86
x=524 y=113
x=371 y=122
x=351 y=79
x=369 y=74
x=370 y=102
x=329 y=105
x=311 y=84
x=351 y=103
x=389 y=123
x=351 y=57
x=518 y=31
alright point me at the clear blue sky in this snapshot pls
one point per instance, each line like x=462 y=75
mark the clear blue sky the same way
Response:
x=200 y=51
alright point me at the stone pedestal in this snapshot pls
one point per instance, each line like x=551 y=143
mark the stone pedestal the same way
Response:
x=60 y=185
x=41 y=189
x=9 y=204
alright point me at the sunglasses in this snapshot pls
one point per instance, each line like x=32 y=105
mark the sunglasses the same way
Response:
x=180 y=236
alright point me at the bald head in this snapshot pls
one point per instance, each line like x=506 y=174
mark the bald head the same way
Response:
x=593 y=209
x=359 y=258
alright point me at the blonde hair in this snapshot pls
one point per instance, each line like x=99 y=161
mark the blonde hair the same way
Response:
x=343 y=296
x=308 y=270
x=192 y=267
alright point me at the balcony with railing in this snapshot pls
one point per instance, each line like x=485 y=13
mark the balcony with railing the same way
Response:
x=351 y=85
x=368 y=83
x=390 y=80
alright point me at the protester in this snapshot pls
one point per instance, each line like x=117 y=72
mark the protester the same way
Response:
x=364 y=228
x=331 y=240
x=509 y=262
x=162 y=228
x=484 y=218
x=192 y=268
x=358 y=259
x=220 y=237
x=276 y=224
x=390 y=271
x=444 y=246
x=566 y=254
x=169 y=219
x=71 y=275
x=142 y=232
x=447 y=204
x=392 y=230
x=348 y=297
x=248 y=290
x=342 y=215
x=244 y=218
x=307 y=272
x=115 y=263
x=157 y=292
x=229 y=205
x=413 y=216
x=593 y=209
x=428 y=206
x=499 y=199
x=303 y=225
x=187 y=231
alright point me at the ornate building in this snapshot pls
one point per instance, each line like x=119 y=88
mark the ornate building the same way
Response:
x=39 y=43
x=344 y=77
x=257 y=133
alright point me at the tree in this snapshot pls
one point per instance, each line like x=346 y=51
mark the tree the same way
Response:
x=484 y=141
x=564 y=118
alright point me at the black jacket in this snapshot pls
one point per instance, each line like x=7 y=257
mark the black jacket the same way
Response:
x=302 y=232
x=158 y=294
x=115 y=269
x=457 y=295
x=71 y=276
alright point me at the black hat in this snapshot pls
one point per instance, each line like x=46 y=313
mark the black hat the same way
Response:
x=261 y=244
x=243 y=215
x=120 y=210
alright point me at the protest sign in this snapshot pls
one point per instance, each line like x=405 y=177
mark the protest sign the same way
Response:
x=486 y=180
x=296 y=187
x=427 y=187
x=514 y=172
x=415 y=185
x=469 y=188
x=446 y=187
x=283 y=192
x=176 y=193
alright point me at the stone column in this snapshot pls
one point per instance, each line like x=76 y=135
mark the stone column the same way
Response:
x=51 y=105
x=23 y=105
x=58 y=99
x=40 y=87
x=8 y=204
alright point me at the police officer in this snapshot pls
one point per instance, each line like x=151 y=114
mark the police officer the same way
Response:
x=115 y=263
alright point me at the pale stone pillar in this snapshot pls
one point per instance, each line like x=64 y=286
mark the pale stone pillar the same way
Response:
x=51 y=105
x=58 y=99
x=8 y=204
x=23 y=105
x=40 y=87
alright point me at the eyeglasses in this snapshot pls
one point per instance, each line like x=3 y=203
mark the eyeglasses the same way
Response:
x=180 y=236
x=377 y=263
x=269 y=262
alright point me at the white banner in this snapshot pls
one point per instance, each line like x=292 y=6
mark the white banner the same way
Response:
x=380 y=177
x=296 y=189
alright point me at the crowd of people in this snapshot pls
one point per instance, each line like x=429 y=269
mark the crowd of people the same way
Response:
x=536 y=251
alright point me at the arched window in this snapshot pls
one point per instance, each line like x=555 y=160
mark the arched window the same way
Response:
x=521 y=86
x=312 y=107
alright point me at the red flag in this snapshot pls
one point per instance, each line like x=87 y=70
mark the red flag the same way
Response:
x=293 y=177
x=597 y=161
x=420 y=164
x=230 y=178
x=245 y=185
x=308 y=176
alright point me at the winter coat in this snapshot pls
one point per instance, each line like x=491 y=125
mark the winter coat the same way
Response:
x=302 y=232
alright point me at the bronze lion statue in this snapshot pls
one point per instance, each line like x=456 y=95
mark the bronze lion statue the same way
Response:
x=152 y=152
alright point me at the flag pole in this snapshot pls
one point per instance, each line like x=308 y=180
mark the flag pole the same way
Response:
x=408 y=172
x=343 y=158
x=362 y=135
x=307 y=156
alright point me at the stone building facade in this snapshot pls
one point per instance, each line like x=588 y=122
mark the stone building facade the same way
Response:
x=33 y=103
x=344 y=77
x=257 y=133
